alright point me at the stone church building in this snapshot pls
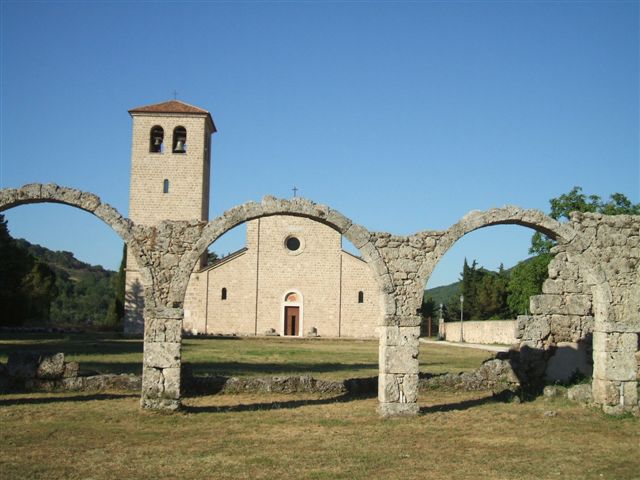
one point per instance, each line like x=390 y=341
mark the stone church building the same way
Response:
x=292 y=278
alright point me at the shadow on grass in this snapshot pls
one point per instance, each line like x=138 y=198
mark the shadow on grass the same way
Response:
x=279 y=405
x=234 y=369
x=76 y=398
x=70 y=344
x=501 y=397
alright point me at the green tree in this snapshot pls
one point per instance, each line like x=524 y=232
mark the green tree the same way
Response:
x=15 y=265
x=576 y=201
x=115 y=314
x=525 y=281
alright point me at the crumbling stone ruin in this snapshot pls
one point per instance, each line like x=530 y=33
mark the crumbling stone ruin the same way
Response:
x=26 y=371
x=593 y=289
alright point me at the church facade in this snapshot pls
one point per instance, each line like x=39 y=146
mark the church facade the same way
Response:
x=292 y=278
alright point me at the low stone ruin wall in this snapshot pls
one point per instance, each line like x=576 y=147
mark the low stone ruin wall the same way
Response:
x=483 y=332
x=28 y=371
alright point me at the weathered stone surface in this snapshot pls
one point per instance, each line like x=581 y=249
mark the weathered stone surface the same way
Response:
x=400 y=336
x=397 y=409
x=546 y=304
x=51 y=366
x=615 y=342
x=580 y=393
x=71 y=369
x=162 y=355
x=593 y=284
x=171 y=382
x=617 y=366
x=402 y=360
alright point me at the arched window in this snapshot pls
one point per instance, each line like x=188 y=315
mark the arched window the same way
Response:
x=179 y=140
x=360 y=296
x=165 y=186
x=223 y=295
x=156 y=140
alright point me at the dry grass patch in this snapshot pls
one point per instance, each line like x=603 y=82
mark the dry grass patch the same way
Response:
x=464 y=436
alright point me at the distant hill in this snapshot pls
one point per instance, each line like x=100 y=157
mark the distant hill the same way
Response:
x=85 y=291
x=444 y=293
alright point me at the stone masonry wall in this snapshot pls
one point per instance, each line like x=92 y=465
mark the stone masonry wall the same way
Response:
x=563 y=316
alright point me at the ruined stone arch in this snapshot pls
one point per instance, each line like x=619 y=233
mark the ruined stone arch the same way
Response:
x=533 y=219
x=576 y=247
x=51 y=193
x=356 y=234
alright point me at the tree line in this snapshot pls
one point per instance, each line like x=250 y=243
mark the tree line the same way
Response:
x=505 y=294
x=42 y=287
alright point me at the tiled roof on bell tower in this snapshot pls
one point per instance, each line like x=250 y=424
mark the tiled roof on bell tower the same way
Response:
x=173 y=106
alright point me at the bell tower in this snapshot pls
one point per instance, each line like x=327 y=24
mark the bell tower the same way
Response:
x=170 y=169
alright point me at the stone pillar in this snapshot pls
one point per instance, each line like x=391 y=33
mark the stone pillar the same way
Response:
x=162 y=358
x=398 y=378
x=615 y=369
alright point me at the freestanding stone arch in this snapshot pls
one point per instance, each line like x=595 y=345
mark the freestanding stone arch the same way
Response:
x=168 y=252
x=356 y=234
x=50 y=193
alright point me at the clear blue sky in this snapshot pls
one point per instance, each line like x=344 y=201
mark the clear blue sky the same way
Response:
x=402 y=115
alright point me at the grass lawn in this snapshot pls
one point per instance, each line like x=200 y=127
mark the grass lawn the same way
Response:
x=461 y=435
x=242 y=356
x=457 y=436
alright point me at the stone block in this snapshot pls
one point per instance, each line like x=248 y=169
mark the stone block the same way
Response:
x=546 y=304
x=171 y=382
x=152 y=382
x=358 y=235
x=388 y=390
x=566 y=328
x=398 y=409
x=553 y=287
x=580 y=393
x=630 y=390
x=618 y=366
x=615 y=342
x=163 y=330
x=402 y=320
x=400 y=336
x=399 y=359
x=161 y=404
x=162 y=355
x=71 y=370
x=537 y=329
x=576 y=304
x=605 y=392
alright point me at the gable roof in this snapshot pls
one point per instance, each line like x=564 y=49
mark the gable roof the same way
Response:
x=173 y=106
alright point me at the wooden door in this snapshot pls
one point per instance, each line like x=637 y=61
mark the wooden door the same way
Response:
x=291 y=320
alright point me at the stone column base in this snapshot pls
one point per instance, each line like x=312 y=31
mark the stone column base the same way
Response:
x=397 y=409
x=162 y=404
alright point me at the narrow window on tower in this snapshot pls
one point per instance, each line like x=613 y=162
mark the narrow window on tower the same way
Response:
x=224 y=294
x=179 y=140
x=165 y=186
x=360 y=296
